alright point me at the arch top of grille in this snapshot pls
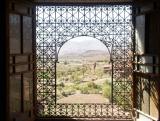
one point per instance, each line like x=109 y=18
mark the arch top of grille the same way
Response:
x=111 y=24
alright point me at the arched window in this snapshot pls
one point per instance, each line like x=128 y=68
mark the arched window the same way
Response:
x=112 y=25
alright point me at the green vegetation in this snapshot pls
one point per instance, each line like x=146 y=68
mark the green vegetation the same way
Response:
x=80 y=77
x=90 y=88
x=106 y=90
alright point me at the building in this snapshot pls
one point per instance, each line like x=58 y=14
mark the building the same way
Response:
x=17 y=25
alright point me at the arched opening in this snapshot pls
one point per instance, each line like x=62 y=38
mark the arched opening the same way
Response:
x=84 y=72
x=111 y=24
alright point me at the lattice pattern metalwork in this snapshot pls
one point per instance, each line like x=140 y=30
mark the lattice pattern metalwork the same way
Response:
x=111 y=24
x=88 y=110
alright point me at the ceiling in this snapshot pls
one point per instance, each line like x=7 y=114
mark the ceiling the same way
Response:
x=83 y=1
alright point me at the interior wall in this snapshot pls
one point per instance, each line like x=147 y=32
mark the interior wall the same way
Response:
x=151 y=12
x=81 y=1
x=3 y=60
x=147 y=38
x=21 y=60
x=17 y=55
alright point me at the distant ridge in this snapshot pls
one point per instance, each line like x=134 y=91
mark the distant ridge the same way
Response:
x=94 y=53
x=89 y=54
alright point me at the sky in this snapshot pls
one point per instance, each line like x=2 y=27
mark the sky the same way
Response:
x=81 y=44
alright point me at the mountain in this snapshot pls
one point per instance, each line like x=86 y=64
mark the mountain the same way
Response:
x=88 y=55
x=80 y=45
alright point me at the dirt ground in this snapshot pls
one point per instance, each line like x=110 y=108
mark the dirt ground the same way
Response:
x=84 y=98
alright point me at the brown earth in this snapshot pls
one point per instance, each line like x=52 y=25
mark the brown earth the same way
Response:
x=84 y=98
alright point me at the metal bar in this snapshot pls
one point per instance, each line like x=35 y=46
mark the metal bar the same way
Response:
x=35 y=110
x=146 y=115
x=118 y=61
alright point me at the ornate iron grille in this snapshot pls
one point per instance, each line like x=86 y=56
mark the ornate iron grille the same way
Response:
x=111 y=24
x=88 y=110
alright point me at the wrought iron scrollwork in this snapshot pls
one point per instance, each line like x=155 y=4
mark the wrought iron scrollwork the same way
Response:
x=111 y=24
